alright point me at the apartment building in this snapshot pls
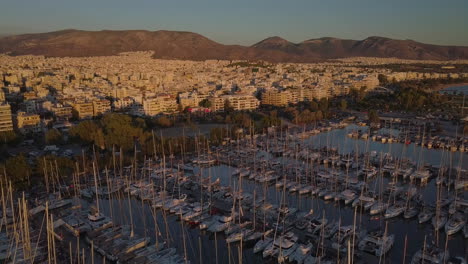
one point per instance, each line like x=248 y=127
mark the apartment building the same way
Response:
x=369 y=81
x=6 y=123
x=237 y=101
x=316 y=92
x=159 y=104
x=191 y=99
x=61 y=112
x=277 y=98
x=29 y=95
x=26 y=122
x=83 y=110
x=217 y=103
x=124 y=103
x=101 y=107
x=31 y=106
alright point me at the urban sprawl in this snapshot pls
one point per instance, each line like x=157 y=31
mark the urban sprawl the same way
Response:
x=49 y=92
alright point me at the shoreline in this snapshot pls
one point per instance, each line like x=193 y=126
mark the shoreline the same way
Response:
x=445 y=86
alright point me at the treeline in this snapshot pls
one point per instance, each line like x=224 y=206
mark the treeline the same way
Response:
x=427 y=84
x=100 y=139
x=417 y=67
x=244 y=64
x=412 y=96
x=258 y=121
x=124 y=132
x=414 y=100
x=307 y=112
x=22 y=174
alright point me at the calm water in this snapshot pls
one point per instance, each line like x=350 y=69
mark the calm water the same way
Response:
x=215 y=250
x=456 y=89
x=337 y=138
x=190 y=131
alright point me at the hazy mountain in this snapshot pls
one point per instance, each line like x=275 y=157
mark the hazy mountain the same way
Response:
x=192 y=46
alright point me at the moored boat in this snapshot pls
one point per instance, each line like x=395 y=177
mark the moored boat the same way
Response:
x=455 y=223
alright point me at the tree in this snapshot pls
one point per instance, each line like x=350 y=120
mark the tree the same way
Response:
x=228 y=107
x=164 y=122
x=313 y=106
x=319 y=115
x=292 y=114
x=18 y=170
x=420 y=102
x=205 y=103
x=122 y=130
x=180 y=108
x=246 y=121
x=306 y=117
x=382 y=79
x=8 y=137
x=53 y=136
x=362 y=93
x=354 y=93
x=98 y=139
x=47 y=163
x=373 y=116
x=112 y=130
x=343 y=104
x=84 y=131
x=323 y=104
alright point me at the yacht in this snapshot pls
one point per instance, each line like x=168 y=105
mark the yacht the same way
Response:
x=431 y=254
x=233 y=228
x=305 y=189
x=262 y=244
x=239 y=235
x=295 y=187
x=410 y=212
x=368 y=172
x=348 y=196
x=456 y=222
x=421 y=175
x=394 y=210
x=99 y=221
x=329 y=196
x=377 y=243
x=220 y=224
x=378 y=208
x=439 y=220
x=173 y=202
x=329 y=230
x=364 y=201
x=341 y=236
x=284 y=253
x=425 y=215
x=204 y=224
x=282 y=243
x=316 y=225
x=301 y=253
x=254 y=236
x=178 y=208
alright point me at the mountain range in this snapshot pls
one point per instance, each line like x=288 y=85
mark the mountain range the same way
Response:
x=193 y=46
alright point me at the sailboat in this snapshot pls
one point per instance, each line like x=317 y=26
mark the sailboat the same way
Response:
x=455 y=223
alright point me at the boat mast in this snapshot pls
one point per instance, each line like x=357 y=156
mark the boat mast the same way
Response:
x=96 y=188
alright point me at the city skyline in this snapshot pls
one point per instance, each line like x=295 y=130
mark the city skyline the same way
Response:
x=246 y=23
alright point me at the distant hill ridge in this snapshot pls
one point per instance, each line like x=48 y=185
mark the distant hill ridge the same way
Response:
x=193 y=46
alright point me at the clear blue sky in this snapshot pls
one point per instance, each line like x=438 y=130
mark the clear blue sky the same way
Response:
x=249 y=21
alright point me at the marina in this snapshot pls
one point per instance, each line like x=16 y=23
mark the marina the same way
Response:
x=266 y=198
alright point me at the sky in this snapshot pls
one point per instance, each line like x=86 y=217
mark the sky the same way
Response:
x=246 y=22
